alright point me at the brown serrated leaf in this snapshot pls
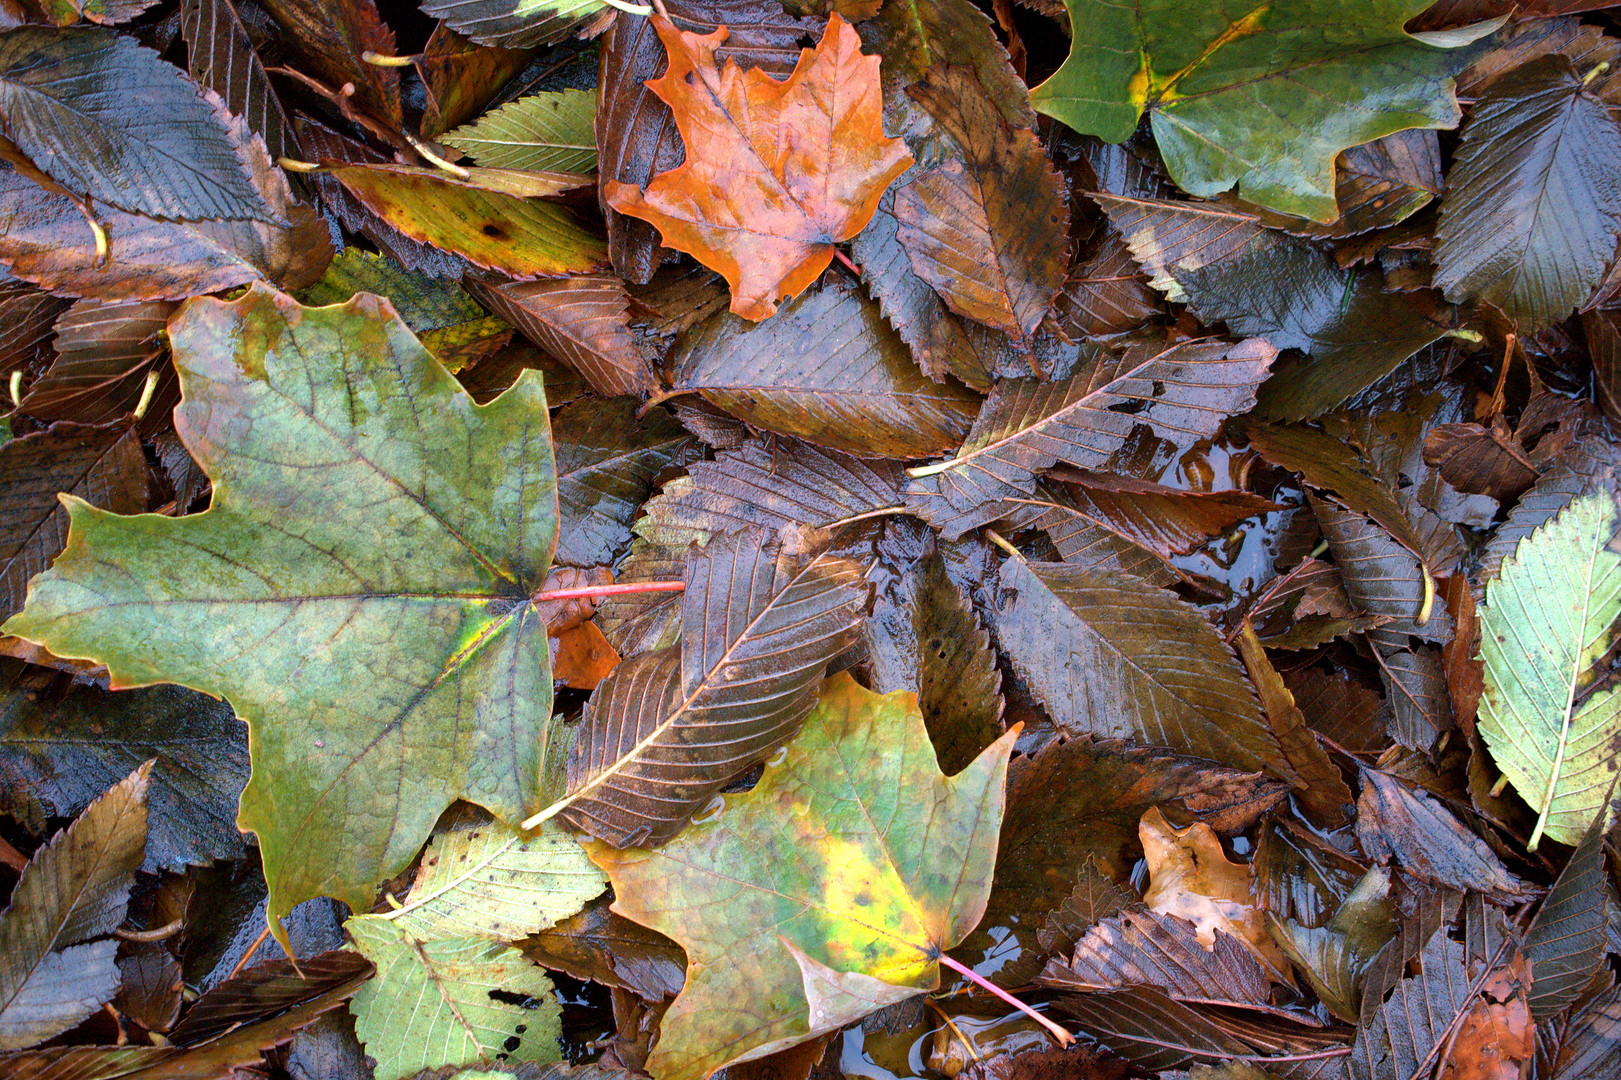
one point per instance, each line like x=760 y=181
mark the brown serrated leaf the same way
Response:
x=101 y=464
x=220 y=55
x=1107 y=294
x=330 y=37
x=460 y=78
x=668 y=729
x=1181 y=392
x=105 y=354
x=1162 y=950
x=984 y=228
x=583 y=320
x=27 y=315
x=1419 y=833
x=828 y=370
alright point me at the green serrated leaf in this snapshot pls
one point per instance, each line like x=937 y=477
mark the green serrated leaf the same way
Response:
x=1263 y=97
x=490 y=881
x=1547 y=618
x=358 y=589
x=549 y=131
x=432 y=1003
x=521 y=24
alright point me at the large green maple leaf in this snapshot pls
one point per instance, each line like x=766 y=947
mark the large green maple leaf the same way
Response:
x=358 y=591
x=1258 y=94
x=826 y=892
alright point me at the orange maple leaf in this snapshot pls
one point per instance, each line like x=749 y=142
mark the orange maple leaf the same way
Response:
x=776 y=172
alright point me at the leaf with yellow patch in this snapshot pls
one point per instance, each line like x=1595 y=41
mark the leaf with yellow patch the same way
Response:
x=823 y=894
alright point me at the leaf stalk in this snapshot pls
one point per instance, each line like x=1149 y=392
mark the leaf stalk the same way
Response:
x=1064 y=1038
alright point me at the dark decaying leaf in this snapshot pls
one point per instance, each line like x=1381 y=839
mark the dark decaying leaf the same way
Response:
x=1227 y=267
x=1590 y=1043
x=1419 y=1014
x=520 y=24
x=1339 y=706
x=103 y=465
x=1321 y=790
x=635 y=132
x=1147 y=948
x=330 y=38
x=56 y=757
x=221 y=56
x=924 y=636
x=606 y=461
x=642 y=622
x=606 y=947
x=44 y=239
x=827 y=369
x=1566 y=941
x=1107 y=294
x=1533 y=205
x=150 y=985
x=1111 y=656
x=265 y=990
x=668 y=729
x=1181 y=394
x=1382 y=577
x=773 y=484
x=27 y=315
x=105 y=353
x=1058 y=833
x=459 y=79
x=517 y=236
x=1478 y=459
x=1151 y=1029
x=1081 y=541
x=1093 y=899
x=1426 y=839
x=56 y=959
x=104 y=117
x=1604 y=347
x=582 y=320
x=1168 y=521
x=984 y=229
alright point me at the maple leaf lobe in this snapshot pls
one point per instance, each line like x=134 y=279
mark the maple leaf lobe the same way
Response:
x=777 y=172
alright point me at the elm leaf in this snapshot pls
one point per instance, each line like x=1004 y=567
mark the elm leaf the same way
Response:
x=358 y=590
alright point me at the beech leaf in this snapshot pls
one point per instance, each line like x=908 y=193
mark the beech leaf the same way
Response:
x=1546 y=621
x=798 y=930
x=767 y=214
x=367 y=517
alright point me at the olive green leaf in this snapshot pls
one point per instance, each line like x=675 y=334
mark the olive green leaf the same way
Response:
x=358 y=590
x=1547 y=621
x=1259 y=95
x=827 y=891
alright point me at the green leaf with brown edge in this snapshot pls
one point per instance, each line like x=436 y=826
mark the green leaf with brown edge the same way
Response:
x=1264 y=99
x=924 y=636
x=1181 y=392
x=357 y=590
x=448 y=322
x=521 y=24
x=106 y=118
x=984 y=227
x=606 y=461
x=666 y=730
x=791 y=932
x=582 y=320
x=56 y=955
x=773 y=484
x=828 y=370
x=521 y=237
x=1324 y=795
x=44 y=239
x=103 y=465
x=58 y=756
x=551 y=130
x=1533 y=204
x=1113 y=657
x=1566 y=941
x=1547 y=620
x=105 y=353
x=220 y=55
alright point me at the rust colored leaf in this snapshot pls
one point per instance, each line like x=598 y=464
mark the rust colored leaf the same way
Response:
x=766 y=215
x=582 y=657
x=331 y=35
x=27 y=314
x=105 y=352
x=1148 y=948
x=984 y=229
x=1107 y=294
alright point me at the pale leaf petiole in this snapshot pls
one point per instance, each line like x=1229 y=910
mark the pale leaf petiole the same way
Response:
x=1064 y=1038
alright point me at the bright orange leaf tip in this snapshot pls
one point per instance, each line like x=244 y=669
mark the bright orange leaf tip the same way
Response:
x=777 y=173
